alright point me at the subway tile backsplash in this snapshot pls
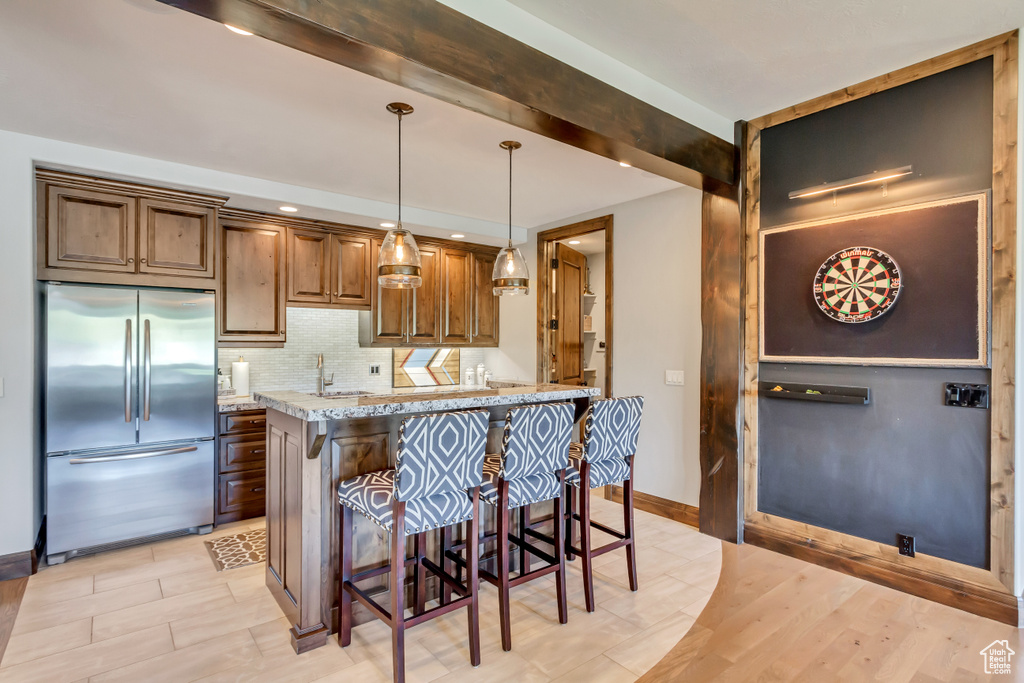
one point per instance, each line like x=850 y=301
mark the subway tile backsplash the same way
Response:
x=334 y=333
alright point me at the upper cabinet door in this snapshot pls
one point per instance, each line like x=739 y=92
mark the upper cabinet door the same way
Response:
x=485 y=304
x=176 y=239
x=424 y=327
x=309 y=266
x=389 y=311
x=351 y=271
x=89 y=230
x=252 y=288
x=456 y=296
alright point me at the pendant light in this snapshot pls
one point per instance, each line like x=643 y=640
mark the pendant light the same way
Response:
x=398 y=266
x=510 y=275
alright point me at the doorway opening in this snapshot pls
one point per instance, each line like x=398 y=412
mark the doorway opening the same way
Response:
x=574 y=305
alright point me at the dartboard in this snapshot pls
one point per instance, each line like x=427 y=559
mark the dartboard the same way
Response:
x=856 y=285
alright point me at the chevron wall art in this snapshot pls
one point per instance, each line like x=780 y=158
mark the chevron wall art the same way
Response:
x=425 y=367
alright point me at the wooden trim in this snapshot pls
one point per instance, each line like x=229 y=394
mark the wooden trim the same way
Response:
x=90 y=182
x=892 y=79
x=11 y=594
x=18 y=565
x=545 y=241
x=989 y=602
x=663 y=507
x=448 y=55
x=988 y=592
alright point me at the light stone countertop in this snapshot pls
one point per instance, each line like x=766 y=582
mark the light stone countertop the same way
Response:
x=236 y=404
x=312 y=408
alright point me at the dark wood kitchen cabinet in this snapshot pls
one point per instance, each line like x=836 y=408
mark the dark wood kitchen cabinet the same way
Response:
x=111 y=232
x=251 y=295
x=328 y=269
x=453 y=307
x=241 y=465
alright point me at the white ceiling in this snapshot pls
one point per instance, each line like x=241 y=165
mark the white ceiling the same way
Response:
x=746 y=58
x=140 y=77
x=589 y=244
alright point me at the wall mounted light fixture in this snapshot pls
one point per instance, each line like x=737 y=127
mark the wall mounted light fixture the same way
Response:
x=877 y=177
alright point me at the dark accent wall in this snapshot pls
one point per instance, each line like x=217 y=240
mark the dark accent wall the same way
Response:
x=905 y=463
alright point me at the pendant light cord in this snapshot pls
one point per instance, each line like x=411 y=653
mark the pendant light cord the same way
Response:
x=399 y=169
x=510 y=197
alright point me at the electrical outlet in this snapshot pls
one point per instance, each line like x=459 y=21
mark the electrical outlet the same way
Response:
x=374 y=369
x=674 y=377
x=905 y=544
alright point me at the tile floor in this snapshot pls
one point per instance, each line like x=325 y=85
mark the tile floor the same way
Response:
x=161 y=612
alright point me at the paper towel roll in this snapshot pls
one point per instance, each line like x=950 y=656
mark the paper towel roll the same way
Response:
x=240 y=376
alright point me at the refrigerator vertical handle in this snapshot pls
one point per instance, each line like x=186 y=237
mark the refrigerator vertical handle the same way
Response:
x=147 y=369
x=128 y=370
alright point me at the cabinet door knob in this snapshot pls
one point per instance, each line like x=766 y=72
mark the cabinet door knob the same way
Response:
x=131 y=260
x=142 y=260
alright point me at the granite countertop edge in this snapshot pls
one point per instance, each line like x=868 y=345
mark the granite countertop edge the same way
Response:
x=349 y=408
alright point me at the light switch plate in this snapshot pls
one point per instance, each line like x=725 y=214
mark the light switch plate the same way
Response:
x=674 y=377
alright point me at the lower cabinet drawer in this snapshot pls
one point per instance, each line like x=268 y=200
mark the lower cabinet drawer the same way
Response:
x=243 y=452
x=242 y=495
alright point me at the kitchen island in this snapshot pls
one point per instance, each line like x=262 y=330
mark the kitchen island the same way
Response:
x=314 y=442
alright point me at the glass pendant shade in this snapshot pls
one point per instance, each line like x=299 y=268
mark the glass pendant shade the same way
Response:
x=510 y=275
x=398 y=266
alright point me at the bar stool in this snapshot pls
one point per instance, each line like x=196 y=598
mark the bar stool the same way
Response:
x=610 y=431
x=440 y=461
x=530 y=469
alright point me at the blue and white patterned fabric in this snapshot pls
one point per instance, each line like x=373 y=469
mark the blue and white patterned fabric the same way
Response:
x=611 y=429
x=373 y=495
x=534 y=448
x=440 y=453
x=533 y=489
x=439 y=458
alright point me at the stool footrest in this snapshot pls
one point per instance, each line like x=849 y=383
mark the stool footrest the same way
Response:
x=378 y=571
x=445 y=576
x=614 y=545
x=438 y=611
x=362 y=597
x=536 y=552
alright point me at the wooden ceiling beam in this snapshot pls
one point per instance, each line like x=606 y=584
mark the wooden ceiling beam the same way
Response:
x=430 y=48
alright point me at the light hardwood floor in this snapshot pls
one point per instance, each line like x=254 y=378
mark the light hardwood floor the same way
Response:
x=161 y=612
x=776 y=618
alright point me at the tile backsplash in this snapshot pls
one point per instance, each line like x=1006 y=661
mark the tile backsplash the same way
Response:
x=334 y=333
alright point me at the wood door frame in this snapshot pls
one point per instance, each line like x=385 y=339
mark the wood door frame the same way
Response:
x=545 y=252
x=984 y=591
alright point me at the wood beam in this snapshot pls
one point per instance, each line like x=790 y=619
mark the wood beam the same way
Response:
x=430 y=48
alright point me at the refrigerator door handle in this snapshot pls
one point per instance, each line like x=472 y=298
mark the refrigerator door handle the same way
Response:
x=147 y=369
x=132 y=456
x=128 y=370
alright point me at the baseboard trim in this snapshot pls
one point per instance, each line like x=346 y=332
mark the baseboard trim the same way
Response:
x=1002 y=607
x=663 y=507
x=26 y=563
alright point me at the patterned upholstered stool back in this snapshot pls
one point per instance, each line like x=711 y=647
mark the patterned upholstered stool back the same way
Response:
x=611 y=428
x=440 y=453
x=536 y=440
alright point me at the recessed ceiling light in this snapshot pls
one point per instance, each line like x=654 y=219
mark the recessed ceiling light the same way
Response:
x=457 y=236
x=288 y=209
x=574 y=241
x=625 y=164
x=239 y=31
x=387 y=224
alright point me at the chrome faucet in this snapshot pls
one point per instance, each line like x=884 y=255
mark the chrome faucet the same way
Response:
x=321 y=382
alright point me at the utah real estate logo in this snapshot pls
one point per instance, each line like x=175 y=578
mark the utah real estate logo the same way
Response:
x=997 y=657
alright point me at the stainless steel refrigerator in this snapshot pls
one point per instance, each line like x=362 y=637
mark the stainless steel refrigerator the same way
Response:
x=130 y=415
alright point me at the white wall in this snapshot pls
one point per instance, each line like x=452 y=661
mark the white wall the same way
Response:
x=657 y=327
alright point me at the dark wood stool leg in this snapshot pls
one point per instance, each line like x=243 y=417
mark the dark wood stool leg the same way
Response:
x=472 y=569
x=398 y=593
x=345 y=575
x=627 y=516
x=503 y=570
x=585 y=545
x=563 y=612
x=446 y=564
x=420 y=579
x=570 y=494
x=524 y=522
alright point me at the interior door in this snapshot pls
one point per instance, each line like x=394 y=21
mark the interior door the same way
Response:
x=570 y=283
x=177 y=366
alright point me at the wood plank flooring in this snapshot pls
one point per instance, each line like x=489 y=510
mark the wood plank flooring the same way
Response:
x=11 y=593
x=161 y=612
x=776 y=618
